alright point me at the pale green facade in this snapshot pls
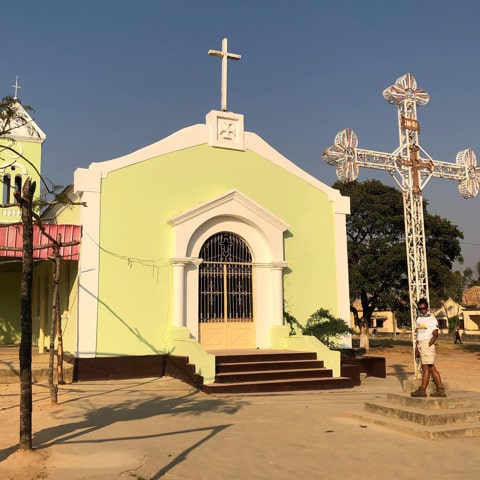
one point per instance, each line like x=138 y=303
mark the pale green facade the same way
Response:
x=136 y=240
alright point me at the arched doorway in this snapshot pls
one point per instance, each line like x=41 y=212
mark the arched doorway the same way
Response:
x=225 y=293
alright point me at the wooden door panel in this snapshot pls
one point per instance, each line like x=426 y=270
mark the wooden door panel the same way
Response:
x=213 y=336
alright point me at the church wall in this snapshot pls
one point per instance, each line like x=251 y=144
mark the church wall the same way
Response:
x=135 y=286
x=10 y=307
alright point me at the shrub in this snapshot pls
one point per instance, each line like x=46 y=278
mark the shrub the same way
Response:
x=326 y=327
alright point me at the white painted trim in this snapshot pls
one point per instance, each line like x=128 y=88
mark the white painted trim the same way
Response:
x=232 y=196
x=88 y=183
x=28 y=131
x=181 y=140
x=262 y=148
x=261 y=230
x=343 y=290
x=200 y=135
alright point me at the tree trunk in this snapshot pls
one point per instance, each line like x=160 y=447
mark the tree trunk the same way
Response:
x=54 y=326
x=60 y=379
x=25 y=353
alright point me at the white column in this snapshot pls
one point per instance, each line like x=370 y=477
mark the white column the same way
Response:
x=178 y=266
x=277 y=292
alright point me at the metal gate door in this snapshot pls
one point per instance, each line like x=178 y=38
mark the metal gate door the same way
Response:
x=225 y=293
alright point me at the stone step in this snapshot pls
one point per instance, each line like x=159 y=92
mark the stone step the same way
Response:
x=262 y=375
x=435 y=432
x=423 y=416
x=264 y=357
x=255 y=366
x=274 y=386
x=455 y=416
x=430 y=403
x=272 y=372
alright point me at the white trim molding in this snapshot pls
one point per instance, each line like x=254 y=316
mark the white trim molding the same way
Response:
x=263 y=233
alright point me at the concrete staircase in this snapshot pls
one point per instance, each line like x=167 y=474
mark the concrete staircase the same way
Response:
x=256 y=373
x=429 y=418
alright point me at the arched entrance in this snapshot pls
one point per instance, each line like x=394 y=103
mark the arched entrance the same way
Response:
x=225 y=293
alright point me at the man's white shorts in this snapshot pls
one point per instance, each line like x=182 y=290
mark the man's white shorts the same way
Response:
x=427 y=352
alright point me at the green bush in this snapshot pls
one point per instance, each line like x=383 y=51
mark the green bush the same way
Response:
x=326 y=327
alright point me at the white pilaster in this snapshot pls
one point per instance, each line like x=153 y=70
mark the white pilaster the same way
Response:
x=178 y=266
x=88 y=183
x=277 y=293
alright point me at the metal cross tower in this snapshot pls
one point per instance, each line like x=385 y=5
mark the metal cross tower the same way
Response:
x=411 y=167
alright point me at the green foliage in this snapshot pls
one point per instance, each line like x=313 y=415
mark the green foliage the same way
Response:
x=326 y=327
x=403 y=319
x=292 y=322
x=469 y=277
x=376 y=249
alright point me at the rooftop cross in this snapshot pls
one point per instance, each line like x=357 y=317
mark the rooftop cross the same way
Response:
x=225 y=55
x=16 y=86
x=410 y=171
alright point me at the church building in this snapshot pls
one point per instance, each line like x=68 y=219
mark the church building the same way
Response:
x=198 y=243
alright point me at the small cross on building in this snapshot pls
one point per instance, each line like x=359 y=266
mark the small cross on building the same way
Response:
x=16 y=86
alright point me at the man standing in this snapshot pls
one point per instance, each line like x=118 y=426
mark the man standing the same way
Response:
x=427 y=334
x=458 y=338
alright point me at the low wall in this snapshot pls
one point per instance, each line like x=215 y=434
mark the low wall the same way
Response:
x=131 y=367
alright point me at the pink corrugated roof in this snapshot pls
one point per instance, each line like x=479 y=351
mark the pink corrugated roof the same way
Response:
x=11 y=237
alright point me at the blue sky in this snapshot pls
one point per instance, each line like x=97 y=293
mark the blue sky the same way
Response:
x=107 y=77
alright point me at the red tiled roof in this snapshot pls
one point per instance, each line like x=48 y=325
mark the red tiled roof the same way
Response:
x=11 y=237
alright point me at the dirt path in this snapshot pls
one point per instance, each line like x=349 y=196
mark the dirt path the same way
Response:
x=458 y=366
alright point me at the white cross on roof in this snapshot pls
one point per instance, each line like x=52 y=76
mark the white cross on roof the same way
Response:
x=225 y=55
x=16 y=86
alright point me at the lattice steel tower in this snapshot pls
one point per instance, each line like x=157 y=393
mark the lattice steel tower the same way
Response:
x=411 y=167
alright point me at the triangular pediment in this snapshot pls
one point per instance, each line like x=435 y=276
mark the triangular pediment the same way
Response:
x=22 y=126
x=233 y=203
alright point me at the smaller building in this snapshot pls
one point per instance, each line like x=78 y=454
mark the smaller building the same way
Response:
x=471 y=310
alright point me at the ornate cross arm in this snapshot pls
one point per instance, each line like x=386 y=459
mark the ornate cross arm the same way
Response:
x=347 y=158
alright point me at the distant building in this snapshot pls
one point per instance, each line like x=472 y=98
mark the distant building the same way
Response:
x=471 y=310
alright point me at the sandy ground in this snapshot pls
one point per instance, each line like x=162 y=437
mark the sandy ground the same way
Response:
x=458 y=366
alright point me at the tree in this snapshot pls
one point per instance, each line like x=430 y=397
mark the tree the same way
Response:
x=376 y=249
x=26 y=202
x=469 y=277
x=11 y=118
